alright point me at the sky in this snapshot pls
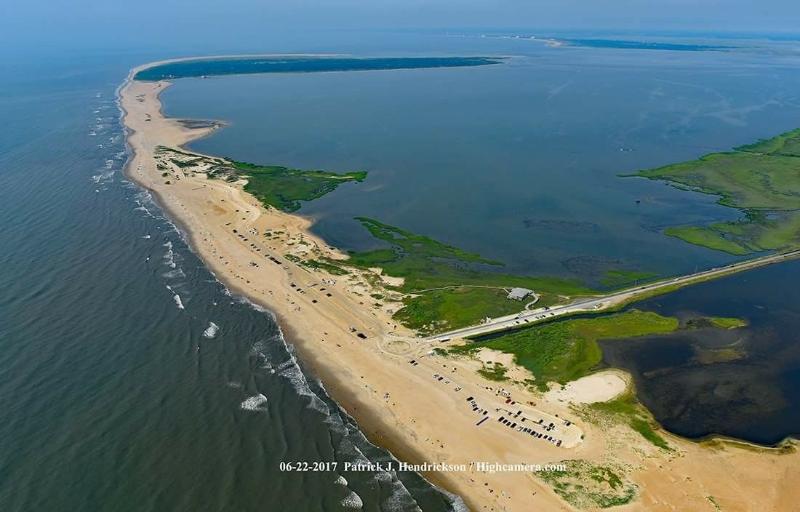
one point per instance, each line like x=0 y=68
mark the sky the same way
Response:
x=166 y=21
x=230 y=23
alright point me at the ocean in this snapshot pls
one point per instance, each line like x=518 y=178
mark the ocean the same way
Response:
x=130 y=379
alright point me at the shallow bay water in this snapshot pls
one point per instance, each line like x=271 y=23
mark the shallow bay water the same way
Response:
x=518 y=161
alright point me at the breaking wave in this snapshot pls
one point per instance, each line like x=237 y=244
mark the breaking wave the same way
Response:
x=176 y=298
x=255 y=403
x=211 y=330
x=169 y=256
x=352 y=501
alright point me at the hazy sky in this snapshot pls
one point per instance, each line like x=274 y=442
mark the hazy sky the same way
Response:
x=157 y=23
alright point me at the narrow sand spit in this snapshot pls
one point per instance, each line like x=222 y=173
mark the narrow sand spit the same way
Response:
x=420 y=411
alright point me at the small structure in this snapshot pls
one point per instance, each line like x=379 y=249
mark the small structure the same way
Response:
x=519 y=293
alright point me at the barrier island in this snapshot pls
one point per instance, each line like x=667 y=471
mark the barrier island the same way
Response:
x=299 y=64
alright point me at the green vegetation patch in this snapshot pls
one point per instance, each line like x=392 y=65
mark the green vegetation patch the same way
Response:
x=785 y=144
x=451 y=308
x=450 y=287
x=718 y=322
x=566 y=350
x=713 y=236
x=619 y=278
x=284 y=188
x=627 y=409
x=326 y=265
x=585 y=485
x=322 y=264
x=761 y=179
x=494 y=371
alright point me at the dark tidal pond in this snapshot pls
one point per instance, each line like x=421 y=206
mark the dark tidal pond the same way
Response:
x=742 y=383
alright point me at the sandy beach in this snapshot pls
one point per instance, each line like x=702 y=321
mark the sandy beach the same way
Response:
x=423 y=407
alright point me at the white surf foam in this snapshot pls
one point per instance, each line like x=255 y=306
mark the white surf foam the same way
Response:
x=174 y=274
x=211 y=331
x=455 y=501
x=103 y=177
x=352 y=501
x=169 y=256
x=144 y=201
x=176 y=297
x=294 y=375
x=255 y=403
x=400 y=498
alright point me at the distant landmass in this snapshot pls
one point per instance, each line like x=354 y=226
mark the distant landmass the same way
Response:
x=622 y=44
x=296 y=64
x=642 y=45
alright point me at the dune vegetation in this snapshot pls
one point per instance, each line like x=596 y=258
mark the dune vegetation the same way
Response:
x=285 y=188
x=566 y=350
x=447 y=287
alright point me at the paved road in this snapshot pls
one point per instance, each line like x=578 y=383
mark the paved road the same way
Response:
x=600 y=303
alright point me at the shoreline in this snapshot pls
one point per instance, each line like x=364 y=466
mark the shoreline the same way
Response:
x=394 y=427
x=368 y=421
x=374 y=425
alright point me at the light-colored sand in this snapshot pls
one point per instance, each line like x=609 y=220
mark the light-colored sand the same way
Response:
x=598 y=387
x=405 y=407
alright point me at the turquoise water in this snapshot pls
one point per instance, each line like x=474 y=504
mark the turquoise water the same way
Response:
x=518 y=161
x=130 y=380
